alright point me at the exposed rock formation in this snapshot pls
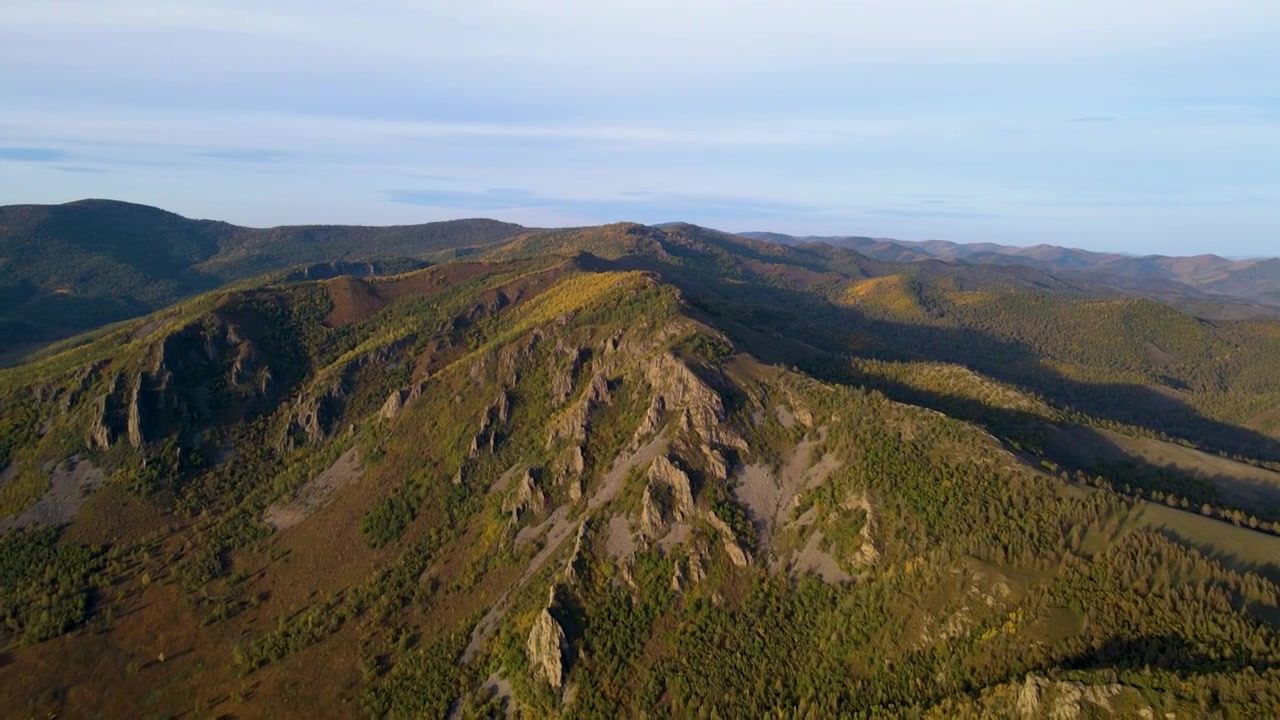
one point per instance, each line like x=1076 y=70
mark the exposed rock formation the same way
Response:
x=697 y=565
x=574 y=422
x=652 y=522
x=102 y=432
x=702 y=409
x=394 y=404
x=667 y=497
x=571 y=463
x=664 y=471
x=134 y=422
x=1067 y=699
x=317 y=410
x=563 y=382
x=717 y=466
x=651 y=421
x=525 y=497
x=314 y=415
x=547 y=646
x=486 y=437
x=512 y=357
x=736 y=554
x=867 y=553
x=574 y=565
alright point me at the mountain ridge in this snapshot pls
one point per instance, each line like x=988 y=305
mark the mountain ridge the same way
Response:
x=1252 y=280
x=64 y=268
x=71 y=267
x=600 y=472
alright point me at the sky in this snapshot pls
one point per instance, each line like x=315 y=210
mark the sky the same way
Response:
x=1147 y=126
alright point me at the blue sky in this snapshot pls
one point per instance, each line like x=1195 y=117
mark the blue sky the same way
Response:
x=1146 y=126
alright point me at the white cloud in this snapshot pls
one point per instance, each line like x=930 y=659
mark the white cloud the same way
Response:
x=841 y=104
x=600 y=38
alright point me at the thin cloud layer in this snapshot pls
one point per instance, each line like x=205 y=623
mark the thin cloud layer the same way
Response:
x=1145 y=125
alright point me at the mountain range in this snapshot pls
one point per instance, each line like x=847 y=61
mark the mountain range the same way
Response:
x=626 y=470
x=1255 y=281
x=72 y=267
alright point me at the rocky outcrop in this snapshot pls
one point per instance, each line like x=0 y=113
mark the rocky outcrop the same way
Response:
x=665 y=472
x=701 y=408
x=525 y=497
x=313 y=416
x=736 y=554
x=106 y=420
x=651 y=422
x=611 y=345
x=867 y=553
x=401 y=398
x=102 y=428
x=317 y=410
x=574 y=423
x=668 y=497
x=136 y=419
x=169 y=388
x=697 y=565
x=653 y=523
x=500 y=409
x=567 y=470
x=1064 y=700
x=717 y=467
x=515 y=356
x=577 y=559
x=571 y=463
x=563 y=381
x=547 y=646
x=394 y=404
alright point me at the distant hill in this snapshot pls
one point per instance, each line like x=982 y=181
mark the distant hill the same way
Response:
x=71 y=267
x=1255 y=280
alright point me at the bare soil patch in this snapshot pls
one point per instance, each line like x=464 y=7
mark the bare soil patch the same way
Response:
x=70 y=482
x=317 y=492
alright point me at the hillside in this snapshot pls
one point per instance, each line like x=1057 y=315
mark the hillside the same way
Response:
x=73 y=267
x=636 y=470
x=1202 y=277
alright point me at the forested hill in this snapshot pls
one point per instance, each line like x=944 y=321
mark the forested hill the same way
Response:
x=72 y=267
x=1252 y=280
x=631 y=471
